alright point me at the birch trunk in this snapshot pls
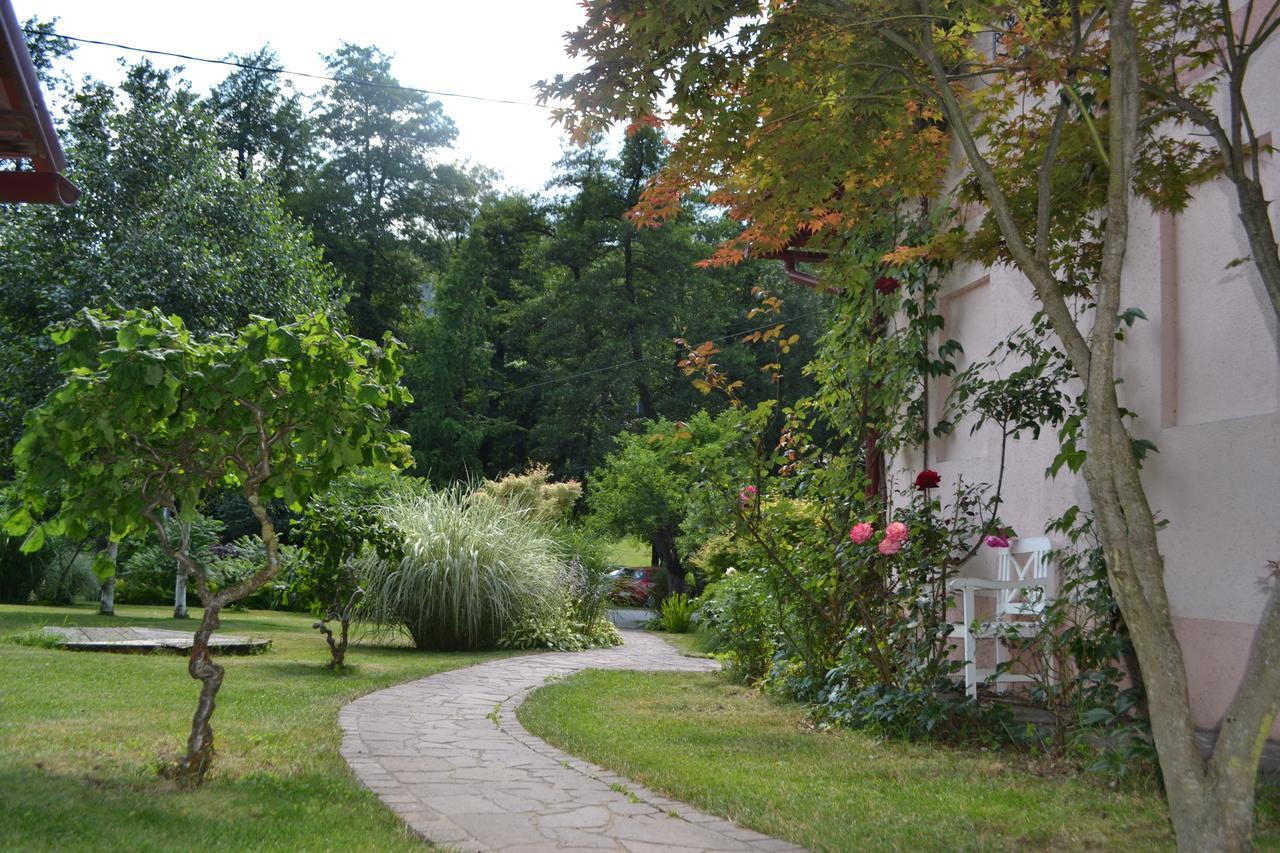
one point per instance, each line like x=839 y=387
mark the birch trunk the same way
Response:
x=107 y=596
x=180 y=576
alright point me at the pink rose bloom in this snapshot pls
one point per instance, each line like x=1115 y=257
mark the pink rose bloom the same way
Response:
x=860 y=533
x=747 y=495
x=896 y=532
x=997 y=541
x=889 y=546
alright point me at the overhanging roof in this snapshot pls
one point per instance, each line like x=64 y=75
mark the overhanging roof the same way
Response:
x=26 y=131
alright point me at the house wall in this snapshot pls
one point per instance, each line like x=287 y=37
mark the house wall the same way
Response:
x=1203 y=375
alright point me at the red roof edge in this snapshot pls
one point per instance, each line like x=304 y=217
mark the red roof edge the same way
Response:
x=37 y=188
x=45 y=185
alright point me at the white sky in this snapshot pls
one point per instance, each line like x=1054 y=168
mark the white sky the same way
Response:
x=496 y=48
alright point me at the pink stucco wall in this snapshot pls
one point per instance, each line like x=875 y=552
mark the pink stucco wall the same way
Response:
x=1203 y=374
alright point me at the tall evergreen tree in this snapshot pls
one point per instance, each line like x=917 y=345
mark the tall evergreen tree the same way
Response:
x=263 y=122
x=378 y=203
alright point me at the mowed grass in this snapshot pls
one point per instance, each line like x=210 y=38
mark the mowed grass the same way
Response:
x=732 y=752
x=630 y=551
x=82 y=735
x=691 y=644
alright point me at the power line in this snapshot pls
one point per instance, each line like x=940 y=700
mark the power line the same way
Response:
x=249 y=66
x=641 y=360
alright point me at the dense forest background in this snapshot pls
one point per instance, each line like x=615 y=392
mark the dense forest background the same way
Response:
x=540 y=327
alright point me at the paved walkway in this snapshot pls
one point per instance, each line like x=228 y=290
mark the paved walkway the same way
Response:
x=448 y=754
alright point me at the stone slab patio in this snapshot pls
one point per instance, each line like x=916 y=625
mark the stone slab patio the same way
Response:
x=142 y=640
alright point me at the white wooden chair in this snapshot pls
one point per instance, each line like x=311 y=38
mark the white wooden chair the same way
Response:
x=1025 y=584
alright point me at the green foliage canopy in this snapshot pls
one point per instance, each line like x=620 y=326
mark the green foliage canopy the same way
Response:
x=150 y=417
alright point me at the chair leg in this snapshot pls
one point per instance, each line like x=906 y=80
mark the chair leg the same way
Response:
x=1001 y=687
x=970 y=657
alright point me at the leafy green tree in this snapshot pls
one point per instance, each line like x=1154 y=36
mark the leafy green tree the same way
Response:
x=648 y=488
x=164 y=221
x=335 y=526
x=464 y=358
x=150 y=419
x=602 y=332
x=46 y=49
x=380 y=207
x=263 y=123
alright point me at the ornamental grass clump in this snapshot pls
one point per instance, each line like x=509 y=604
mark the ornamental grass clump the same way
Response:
x=468 y=571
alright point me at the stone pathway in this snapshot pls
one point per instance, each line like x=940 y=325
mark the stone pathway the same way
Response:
x=448 y=754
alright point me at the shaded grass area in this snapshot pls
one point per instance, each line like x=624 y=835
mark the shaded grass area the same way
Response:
x=734 y=753
x=693 y=644
x=630 y=552
x=82 y=735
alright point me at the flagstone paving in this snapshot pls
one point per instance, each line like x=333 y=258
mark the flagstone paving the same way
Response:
x=447 y=753
x=149 y=640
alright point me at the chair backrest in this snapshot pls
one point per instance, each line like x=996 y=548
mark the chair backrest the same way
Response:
x=1026 y=560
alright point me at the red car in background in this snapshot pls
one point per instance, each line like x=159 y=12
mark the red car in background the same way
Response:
x=635 y=585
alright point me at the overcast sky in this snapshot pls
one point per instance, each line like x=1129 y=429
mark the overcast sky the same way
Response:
x=496 y=48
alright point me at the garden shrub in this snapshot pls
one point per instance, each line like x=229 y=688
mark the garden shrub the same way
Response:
x=470 y=570
x=740 y=619
x=233 y=562
x=676 y=614
x=533 y=493
x=20 y=574
x=560 y=629
x=718 y=554
x=60 y=575
x=66 y=574
x=1082 y=640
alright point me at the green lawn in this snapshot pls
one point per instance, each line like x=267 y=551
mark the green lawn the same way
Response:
x=732 y=752
x=630 y=552
x=81 y=735
x=692 y=644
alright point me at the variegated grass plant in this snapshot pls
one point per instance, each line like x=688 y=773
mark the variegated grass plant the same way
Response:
x=467 y=571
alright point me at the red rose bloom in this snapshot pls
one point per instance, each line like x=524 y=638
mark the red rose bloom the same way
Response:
x=928 y=479
x=887 y=285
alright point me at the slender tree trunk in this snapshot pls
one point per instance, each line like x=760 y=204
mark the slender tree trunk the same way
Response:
x=107 y=597
x=671 y=561
x=343 y=613
x=1254 y=215
x=191 y=768
x=180 y=576
x=202 y=667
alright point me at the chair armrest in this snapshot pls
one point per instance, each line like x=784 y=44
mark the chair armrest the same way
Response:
x=983 y=583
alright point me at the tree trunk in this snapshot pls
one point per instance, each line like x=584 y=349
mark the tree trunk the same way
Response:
x=107 y=596
x=343 y=614
x=201 y=666
x=1254 y=214
x=180 y=577
x=671 y=561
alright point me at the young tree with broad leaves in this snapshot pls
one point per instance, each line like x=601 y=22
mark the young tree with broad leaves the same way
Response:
x=150 y=419
x=805 y=116
x=335 y=527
